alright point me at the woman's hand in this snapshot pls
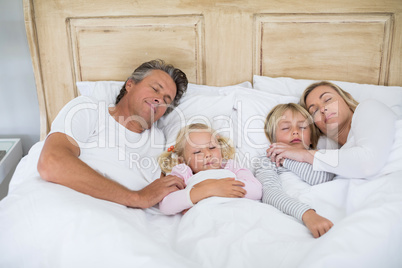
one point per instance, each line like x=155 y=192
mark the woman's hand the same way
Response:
x=279 y=151
x=317 y=225
x=227 y=187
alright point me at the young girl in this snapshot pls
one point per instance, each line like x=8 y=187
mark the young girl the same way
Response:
x=291 y=124
x=204 y=161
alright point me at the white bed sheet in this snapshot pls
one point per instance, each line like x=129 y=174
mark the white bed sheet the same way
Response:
x=48 y=225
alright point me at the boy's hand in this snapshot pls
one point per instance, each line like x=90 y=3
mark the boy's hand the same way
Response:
x=317 y=225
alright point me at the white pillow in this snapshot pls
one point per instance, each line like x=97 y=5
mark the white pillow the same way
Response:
x=215 y=90
x=108 y=90
x=250 y=110
x=389 y=95
x=212 y=106
x=102 y=90
x=207 y=104
x=212 y=110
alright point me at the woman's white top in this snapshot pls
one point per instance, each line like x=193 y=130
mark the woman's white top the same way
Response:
x=368 y=144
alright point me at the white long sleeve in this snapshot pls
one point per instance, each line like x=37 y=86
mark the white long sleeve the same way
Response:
x=368 y=144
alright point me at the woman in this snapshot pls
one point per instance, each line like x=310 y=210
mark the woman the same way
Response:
x=365 y=133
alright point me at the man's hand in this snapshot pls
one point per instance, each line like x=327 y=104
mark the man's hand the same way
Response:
x=317 y=225
x=157 y=190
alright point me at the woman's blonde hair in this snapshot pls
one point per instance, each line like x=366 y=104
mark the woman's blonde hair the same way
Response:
x=275 y=115
x=350 y=101
x=170 y=158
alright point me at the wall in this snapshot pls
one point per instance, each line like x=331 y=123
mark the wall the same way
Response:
x=19 y=111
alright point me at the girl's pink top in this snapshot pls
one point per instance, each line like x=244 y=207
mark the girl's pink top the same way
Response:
x=180 y=200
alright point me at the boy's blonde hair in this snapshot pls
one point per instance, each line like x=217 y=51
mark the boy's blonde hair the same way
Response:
x=272 y=120
x=168 y=159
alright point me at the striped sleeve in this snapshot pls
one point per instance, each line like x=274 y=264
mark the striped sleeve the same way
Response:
x=273 y=194
x=306 y=172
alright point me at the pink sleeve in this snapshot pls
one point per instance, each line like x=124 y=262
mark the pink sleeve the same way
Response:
x=252 y=185
x=182 y=171
x=177 y=201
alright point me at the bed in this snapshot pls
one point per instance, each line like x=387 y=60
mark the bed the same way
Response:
x=241 y=60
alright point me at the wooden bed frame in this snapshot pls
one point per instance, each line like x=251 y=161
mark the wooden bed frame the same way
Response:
x=221 y=42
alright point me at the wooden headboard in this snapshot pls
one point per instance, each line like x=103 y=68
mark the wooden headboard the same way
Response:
x=215 y=42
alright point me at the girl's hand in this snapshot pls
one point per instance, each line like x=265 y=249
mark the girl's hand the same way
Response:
x=184 y=211
x=317 y=225
x=278 y=152
x=227 y=187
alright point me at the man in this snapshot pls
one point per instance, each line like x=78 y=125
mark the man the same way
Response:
x=90 y=149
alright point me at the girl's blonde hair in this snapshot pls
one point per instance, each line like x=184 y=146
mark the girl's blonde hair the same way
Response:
x=275 y=115
x=350 y=101
x=168 y=159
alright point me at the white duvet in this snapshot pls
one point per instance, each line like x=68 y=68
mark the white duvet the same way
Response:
x=48 y=225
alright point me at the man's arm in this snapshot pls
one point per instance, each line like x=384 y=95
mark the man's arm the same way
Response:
x=59 y=163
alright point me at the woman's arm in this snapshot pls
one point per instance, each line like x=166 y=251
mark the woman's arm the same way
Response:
x=280 y=151
x=306 y=172
x=369 y=143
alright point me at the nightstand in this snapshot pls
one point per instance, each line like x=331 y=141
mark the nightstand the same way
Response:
x=10 y=155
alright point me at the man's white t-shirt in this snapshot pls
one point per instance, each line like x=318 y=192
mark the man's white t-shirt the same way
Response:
x=117 y=153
